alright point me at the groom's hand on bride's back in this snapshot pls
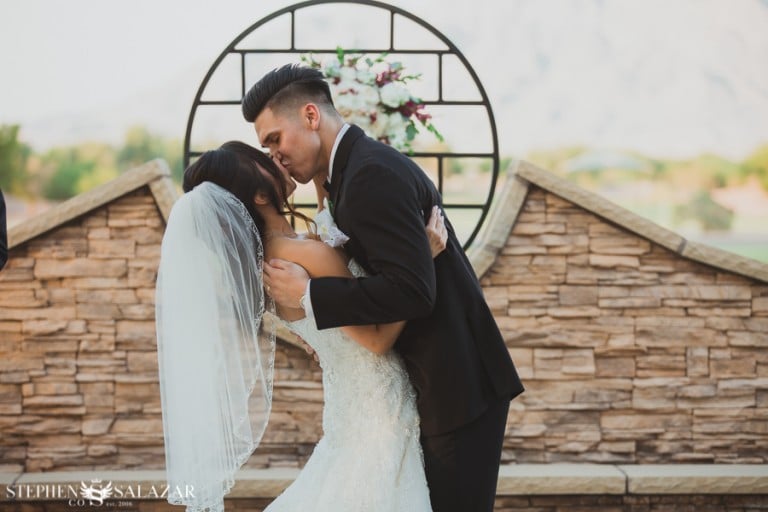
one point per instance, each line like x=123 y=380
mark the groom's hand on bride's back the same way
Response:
x=285 y=282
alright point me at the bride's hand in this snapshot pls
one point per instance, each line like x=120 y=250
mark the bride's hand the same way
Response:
x=437 y=233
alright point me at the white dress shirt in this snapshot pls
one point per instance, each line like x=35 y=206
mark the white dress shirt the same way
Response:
x=306 y=301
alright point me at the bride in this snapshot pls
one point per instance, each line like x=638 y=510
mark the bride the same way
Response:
x=216 y=351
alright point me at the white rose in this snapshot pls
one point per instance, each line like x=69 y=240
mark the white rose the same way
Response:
x=369 y=96
x=345 y=85
x=393 y=95
x=347 y=73
x=366 y=76
x=356 y=102
x=342 y=100
x=352 y=96
x=346 y=104
x=396 y=123
x=363 y=120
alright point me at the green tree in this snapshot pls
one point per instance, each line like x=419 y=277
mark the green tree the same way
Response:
x=711 y=215
x=66 y=170
x=72 y=170
x=141 y=146
x=172 y=154
x=715 y=171
x=757 y=164
x=13 y=160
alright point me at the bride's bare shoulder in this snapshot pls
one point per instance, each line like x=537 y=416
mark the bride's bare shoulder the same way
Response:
x=288 y=248
x=317 y=257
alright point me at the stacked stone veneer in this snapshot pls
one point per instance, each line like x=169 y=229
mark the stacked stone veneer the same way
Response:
x=78 y=370
x=630 y=351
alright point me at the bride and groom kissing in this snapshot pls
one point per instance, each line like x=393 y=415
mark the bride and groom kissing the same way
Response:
x=417 y=379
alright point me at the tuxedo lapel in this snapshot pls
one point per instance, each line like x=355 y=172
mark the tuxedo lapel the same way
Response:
x=341 y=158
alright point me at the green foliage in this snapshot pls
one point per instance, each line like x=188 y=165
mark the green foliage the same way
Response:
x=95 y=177
x=504 y=163
x=141 y=146
x=73 y=170
x=756 y=165
x=173 y=155
x=715 y=170
x=702 y=208
x=65 y=171
x=455 y=166
x=13 y=160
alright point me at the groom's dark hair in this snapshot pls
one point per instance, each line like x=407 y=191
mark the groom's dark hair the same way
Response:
x=286 y=86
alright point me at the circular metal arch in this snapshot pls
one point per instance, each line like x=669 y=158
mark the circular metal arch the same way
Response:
x=291 y=10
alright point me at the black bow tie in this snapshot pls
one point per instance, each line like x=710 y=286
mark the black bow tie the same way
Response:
x=327 y=186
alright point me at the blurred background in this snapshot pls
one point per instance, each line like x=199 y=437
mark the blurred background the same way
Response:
x=661 y=107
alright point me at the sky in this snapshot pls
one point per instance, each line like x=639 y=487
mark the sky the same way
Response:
x=668 y=78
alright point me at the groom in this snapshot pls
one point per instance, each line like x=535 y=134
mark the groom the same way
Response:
x=453 y=351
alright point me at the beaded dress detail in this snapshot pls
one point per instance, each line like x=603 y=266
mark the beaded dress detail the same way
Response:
x=369 y=458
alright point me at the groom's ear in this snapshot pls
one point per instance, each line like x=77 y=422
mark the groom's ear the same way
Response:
x=311 y=115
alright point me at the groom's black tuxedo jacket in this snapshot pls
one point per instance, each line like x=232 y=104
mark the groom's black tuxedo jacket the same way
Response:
x=453 y=351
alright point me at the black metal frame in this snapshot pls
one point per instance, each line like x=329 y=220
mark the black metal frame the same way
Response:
x=451 y=50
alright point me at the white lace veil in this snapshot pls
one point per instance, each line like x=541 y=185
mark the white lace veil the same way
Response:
x=216 y=358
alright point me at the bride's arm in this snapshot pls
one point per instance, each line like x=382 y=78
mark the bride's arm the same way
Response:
x=321 y=260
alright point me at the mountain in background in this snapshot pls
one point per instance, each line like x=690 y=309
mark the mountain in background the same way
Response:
x=668 y=79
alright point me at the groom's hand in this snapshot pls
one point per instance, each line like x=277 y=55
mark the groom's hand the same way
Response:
x=285 y=282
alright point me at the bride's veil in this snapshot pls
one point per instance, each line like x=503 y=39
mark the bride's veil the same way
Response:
x=216 y=358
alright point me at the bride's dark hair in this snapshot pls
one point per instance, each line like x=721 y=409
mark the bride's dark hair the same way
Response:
x=234 y=166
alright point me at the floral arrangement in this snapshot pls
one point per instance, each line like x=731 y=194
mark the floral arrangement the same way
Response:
x=372 y=93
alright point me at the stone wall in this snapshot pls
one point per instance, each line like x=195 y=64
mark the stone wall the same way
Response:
x=78 y=373
x=629 y=352
x=634 y=346
x=673 y=503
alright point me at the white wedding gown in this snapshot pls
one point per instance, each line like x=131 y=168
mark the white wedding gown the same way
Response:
x=369 y=458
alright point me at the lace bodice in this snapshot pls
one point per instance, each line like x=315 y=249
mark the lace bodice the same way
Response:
x=352 y=397
x=369 y=458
